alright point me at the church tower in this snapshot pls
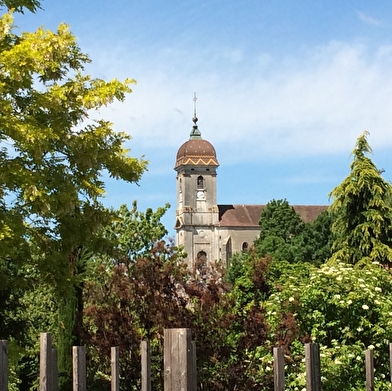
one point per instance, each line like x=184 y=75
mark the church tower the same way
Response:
x=197 y=215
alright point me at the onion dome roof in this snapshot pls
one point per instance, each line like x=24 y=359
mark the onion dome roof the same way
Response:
x=196 y=151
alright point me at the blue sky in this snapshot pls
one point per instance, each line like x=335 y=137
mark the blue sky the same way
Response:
x=284 y=89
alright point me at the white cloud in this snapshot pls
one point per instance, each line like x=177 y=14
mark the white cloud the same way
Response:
x=318 y=102
x=366 y=18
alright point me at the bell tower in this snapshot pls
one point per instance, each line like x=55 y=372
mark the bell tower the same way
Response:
x=197 y=215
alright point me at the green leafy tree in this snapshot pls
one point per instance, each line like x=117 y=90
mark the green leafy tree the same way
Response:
x=314 y=242
x=363 y=207
x=133 y=233
x=52 y=160
x=286 y=237
x=281 y=220
x=279 y=226
x=20 y=5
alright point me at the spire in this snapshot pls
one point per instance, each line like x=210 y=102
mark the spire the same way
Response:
x=195 y=133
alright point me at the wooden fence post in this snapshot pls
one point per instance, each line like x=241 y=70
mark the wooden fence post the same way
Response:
x=45 y=363
x=178 y=373
x=79 y=368
x=369 y=364
x=115 y=369
x=4 y=365
x=146 y=365
x=55 y=371
x=312 y=363
x=390 y=364
x=278 y=369
x=194 y=366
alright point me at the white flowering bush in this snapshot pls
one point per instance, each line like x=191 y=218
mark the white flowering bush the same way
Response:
x=346 y=310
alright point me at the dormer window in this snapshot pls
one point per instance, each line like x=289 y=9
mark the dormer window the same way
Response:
x=200 y=182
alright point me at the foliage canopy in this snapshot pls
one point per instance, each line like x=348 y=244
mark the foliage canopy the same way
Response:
x=52 y=156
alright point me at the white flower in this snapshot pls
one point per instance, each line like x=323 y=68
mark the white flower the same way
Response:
x=291 y=298
x=378 y=289
x=371 y=347
x=365 y=307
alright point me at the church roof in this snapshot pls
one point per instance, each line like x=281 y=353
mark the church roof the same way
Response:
x=249 y=215
x=196 y=151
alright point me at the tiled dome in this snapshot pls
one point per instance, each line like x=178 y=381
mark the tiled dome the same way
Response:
x=196 y=151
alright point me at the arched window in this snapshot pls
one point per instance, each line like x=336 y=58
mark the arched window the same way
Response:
x=245 y=246
x=201 y=263
x=200 y=182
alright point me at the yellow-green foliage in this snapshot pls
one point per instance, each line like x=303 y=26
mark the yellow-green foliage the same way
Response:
x=363 y=207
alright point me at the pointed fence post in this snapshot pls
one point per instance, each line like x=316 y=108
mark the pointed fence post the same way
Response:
x=79 y=368
x=115 y=369
x=146 y=365
x=178 y=373
x=45 y=363
x=3 y=365
x=369 y=364
x=278 y=369
x=312 y=363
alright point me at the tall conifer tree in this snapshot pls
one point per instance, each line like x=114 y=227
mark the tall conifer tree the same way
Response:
x=362 y=202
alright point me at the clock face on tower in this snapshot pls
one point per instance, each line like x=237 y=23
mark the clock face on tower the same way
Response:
x=200 y=195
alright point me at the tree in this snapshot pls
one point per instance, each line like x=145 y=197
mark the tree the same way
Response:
x=53 y=157
x=133 y=292
x=281 y=220
x=133 y=233
x=314 y=242
x=363 y=207
x=279 y=226
x=19 y=5
x=52 y=160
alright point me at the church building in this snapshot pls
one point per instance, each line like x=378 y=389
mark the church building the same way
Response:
x=208 y=231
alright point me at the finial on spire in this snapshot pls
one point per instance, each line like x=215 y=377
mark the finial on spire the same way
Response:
x=195 y=133
x=195 y=119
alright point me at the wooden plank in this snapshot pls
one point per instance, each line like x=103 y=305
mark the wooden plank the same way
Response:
x=55 y=372
x=369 y=364
x=146 y=365
x=194 y=366
x=178 y=374
x=4 y=365
x=45 y=362
x=115 y=368
x=390 y=364
x=79 y=368
x=278 y=369
x=312 y=364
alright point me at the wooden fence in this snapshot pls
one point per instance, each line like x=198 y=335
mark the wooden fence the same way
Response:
x=179 y=365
